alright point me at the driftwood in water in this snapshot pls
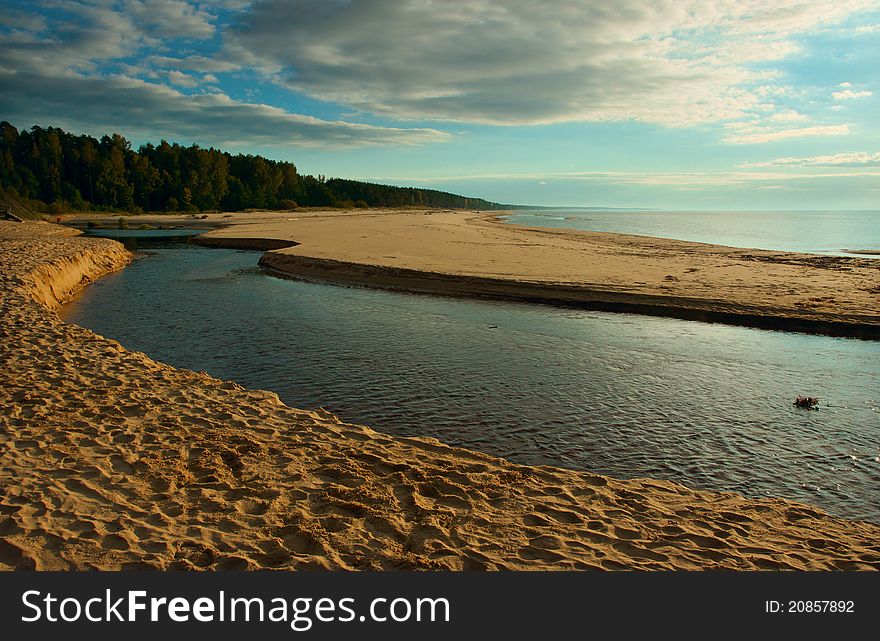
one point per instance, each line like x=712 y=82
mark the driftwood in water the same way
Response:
x=807 y=402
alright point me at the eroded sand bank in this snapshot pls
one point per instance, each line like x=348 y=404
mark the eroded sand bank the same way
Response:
x=469 y=253
x=111 y=460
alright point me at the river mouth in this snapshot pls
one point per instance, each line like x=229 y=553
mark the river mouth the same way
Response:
x=707 y=405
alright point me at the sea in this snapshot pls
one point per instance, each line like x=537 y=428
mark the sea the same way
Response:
x=822 y=232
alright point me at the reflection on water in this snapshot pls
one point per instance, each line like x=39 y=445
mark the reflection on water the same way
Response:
x=134 y=239
x=625 y=395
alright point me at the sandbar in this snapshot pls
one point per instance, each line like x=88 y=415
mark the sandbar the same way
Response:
x=465 y=253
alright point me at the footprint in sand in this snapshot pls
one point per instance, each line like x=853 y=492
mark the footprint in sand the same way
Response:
x=535 y=520
x=233 y=564
x=16 y=557
x=119 y=465
x=249 y=506
x=560 y=516
x=626 y=533
x=114 y=542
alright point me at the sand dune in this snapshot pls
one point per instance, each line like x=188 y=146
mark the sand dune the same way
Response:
x=111 y=460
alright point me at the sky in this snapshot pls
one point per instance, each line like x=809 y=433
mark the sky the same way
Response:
x=675 y=104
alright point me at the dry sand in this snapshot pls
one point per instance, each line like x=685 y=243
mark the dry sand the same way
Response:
x=111 y=460
x=468 y=253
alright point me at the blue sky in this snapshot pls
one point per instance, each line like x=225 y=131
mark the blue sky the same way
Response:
x=678 y=104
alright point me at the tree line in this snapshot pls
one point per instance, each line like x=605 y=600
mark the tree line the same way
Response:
x=57 y=171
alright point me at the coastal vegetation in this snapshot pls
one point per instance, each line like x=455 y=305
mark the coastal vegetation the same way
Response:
x=51 y=170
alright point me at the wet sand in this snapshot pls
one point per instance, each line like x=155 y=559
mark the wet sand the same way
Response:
x=111 y=460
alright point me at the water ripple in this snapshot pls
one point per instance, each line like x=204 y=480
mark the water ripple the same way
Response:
x=630 y=396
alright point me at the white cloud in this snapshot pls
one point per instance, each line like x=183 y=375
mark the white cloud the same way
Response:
x=672 y=62
x=230 y=4
x=789 y=115
x=58 y=73
x=193 y=63
x=148 y=110
x=172 y=18
x=92 y=34
x=849 y=94
x=692 y=180
x=848 y=159
x=17 y=19
x=755 y=135
x=181 y=79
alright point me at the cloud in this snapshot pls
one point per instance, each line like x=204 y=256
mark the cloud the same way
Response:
x=849 y=94
x=756 y=135
x=849 y=159
x=87 y=35
x=181 y=79
x=692 y=180
x=73 y=71
x=232 y=4
x=172 y=18
x=193 y=63
x=92 y=36
x=789 y=115
x=17 y=19
x=152 y=111
x=671 y=62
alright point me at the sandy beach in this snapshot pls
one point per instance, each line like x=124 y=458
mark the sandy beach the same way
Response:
x=476 y=254
x=111 y=460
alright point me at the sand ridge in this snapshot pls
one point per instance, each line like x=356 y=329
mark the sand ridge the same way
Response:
x=471 y=253
x=111 y=460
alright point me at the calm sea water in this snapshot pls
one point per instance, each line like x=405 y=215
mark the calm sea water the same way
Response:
x=626 y=395
x=827 y=232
